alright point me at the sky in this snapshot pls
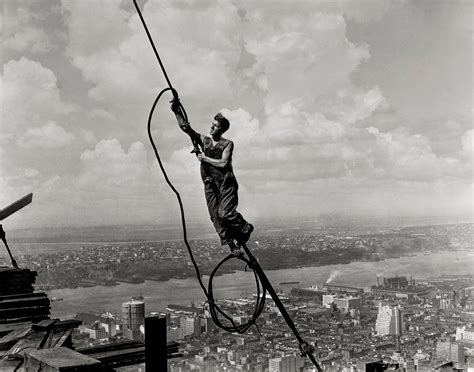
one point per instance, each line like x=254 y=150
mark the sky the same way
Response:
x=337 y=107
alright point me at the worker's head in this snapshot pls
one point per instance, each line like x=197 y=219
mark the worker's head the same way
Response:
x=219 y=125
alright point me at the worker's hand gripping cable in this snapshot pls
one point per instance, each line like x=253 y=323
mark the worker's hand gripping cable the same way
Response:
x=178 y=109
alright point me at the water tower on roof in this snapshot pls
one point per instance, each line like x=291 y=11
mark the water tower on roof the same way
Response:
x=133 y=314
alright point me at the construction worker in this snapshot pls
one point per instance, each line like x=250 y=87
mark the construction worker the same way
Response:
x=220 y=185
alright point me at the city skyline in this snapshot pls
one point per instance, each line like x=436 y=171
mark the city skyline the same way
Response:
x=335 y=107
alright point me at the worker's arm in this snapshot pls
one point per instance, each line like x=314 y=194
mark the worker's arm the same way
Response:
x=223 y=161
x=185 y=126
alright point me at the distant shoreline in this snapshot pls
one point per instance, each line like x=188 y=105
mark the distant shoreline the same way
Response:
x=181 y=291
x=145 y=233
x=106 y=262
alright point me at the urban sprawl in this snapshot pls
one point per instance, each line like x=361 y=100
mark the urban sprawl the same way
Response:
x=401 y=323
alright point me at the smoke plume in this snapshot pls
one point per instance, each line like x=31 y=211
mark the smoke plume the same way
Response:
x=332 y=276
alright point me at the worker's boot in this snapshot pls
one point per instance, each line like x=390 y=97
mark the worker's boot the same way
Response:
x=234 y=249
x=245 y=234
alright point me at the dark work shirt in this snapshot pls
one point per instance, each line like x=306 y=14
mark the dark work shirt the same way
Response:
x=209 y=171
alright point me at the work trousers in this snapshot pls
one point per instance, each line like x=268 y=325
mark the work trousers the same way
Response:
x=222 y=200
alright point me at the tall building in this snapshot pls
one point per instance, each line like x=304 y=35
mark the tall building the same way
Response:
x=344 y=303
x=389 y=320
x=404 y=361
x=328 y=300
x=187 y=323
x=110 y=327
x=450 y=351
x=286 y=363
x=96 y=332
x=197 y=326
x=209 y=325
x=274 y=365
x=174 y=333
x=465 y=334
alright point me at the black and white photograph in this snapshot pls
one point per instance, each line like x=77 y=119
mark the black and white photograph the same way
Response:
x=238 y=186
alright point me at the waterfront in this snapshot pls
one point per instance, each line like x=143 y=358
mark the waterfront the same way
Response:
x=157 y=295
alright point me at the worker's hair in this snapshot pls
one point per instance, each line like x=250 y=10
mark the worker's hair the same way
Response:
x=223 y=121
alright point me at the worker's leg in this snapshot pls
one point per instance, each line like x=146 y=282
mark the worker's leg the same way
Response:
x=232 y=220
x=211 y=193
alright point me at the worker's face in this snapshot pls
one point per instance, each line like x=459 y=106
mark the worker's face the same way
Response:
x=215 y=128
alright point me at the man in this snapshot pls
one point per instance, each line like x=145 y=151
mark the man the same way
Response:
x=220 y=185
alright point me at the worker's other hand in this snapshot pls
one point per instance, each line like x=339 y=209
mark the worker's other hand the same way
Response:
x=185 y=126
x=175 y=106
x=200 y=156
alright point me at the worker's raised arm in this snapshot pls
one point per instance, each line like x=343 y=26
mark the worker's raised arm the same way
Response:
x=184 y=125
x=223 y=161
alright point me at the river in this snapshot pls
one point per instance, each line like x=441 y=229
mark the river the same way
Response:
x=157 y=295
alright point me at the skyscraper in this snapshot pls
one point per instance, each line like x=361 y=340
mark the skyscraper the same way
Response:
x=389 y=320
x=450 y=351
x=187 y=324
x=285 y=363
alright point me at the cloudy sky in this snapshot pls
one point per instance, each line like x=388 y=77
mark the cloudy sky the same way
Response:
x=336 y=106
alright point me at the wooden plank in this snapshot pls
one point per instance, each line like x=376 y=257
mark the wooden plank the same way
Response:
x=31 y=317
x=6 y=342
x=66 y=324
x=62 y=331
x=24 y=303
x=16 y=313
x=44 y=325
x=5 y=329
x=10 y=365
x=31 y=341
x=23 y=295
x=63 y=340
x=60 y=359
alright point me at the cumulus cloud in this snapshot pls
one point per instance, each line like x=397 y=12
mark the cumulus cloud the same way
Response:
x=243 y=126
x=293 y=144
x=16 y=184
x=48 y=136
x=365 y=10
x=30 y=95
x=117 y=183
x=248 y=57
x=356 y=105
x=88 y=136
x=109 y=165
x=31 y=39
x=291 y=125
x=36 y=116
x=401 y=155
x=307 y=55
x=120 y=63
x=26 y=28
x=305 y=130
x=94 y=26
x=102 y=114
